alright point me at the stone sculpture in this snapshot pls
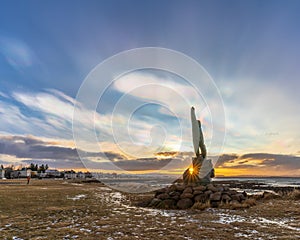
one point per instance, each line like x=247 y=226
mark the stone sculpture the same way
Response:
x=201 y=170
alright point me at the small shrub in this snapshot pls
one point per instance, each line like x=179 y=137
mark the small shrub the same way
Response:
x=201 y=206
x=294 y=195
x=270 y=196
x=250 y=202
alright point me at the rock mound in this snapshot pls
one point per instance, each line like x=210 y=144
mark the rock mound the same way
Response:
x=182 y=196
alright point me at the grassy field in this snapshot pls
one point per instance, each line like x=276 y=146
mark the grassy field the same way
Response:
x=58 y=209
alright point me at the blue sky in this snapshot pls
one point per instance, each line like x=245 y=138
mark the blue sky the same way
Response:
x=250 y=48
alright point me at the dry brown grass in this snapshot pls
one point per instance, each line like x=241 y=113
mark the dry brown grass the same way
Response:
x=294 y=195
x=250 y=201
x=45 y=210
x=201 y=206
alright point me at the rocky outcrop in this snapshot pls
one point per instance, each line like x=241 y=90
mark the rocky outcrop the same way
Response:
x=184 y=196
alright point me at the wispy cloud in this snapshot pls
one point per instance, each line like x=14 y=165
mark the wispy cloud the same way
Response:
x=36 y=126
x=173 y=95
x=4 y=95
x=17 y=53
x=260 y=117
x=168 y=90
x=25 y=149
x=260 y=164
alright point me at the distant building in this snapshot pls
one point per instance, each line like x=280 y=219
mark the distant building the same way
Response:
x=52 y=173
x=2 y=173
x=80 y=175
x=88 y=175
x=20 y=174
x=70 y=174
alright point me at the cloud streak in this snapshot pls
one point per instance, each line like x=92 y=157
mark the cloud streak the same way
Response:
x=25 y=149
x=261 y=164
x=37 y=127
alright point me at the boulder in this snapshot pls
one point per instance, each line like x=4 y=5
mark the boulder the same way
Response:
x=167 y=204
x=226 y=198
x=184 y=203
x=215 y=196
x=154 y=202
x=180 y=187
x=172 y=188
x=199 y=188
x=188 y=190
x=235 y=197
x=163 y=196
x=159 y=191
x=183 y=196
x=176 y=198
x=232 y=192
x=241 y=196
x=208 y=192
x=201 y=198
x=197 y=193
x=212 y=188
x=174 y=195
x=186 y=195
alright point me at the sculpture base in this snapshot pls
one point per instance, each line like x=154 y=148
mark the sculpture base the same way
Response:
x=200 y=172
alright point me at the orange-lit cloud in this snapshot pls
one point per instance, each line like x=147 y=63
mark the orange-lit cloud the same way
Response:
x=63 y=155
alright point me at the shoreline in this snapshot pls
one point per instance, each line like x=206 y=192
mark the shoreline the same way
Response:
x=235 y=183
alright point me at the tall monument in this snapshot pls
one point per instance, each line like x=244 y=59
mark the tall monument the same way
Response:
x=201 y=169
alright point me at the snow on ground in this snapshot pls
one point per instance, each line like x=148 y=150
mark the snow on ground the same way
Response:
x=121 y=205
x=114 y=217
x=77 y=197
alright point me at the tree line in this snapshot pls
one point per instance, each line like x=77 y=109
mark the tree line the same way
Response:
x=33 y=167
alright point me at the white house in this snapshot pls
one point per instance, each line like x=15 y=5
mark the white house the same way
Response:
x=52 y=173
x=2 y=173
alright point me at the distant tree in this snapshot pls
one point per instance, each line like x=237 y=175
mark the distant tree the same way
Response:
x=46 y=167
x=35 y=167
x=8 y=172
x=42 y=169
x=32 y=167
x=2 y=166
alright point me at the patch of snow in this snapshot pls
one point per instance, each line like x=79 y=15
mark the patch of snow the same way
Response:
x=85 y=230
x=229 y=218
x=282 y=223
x=17 y=238
x=241 y=235
x=105 y=188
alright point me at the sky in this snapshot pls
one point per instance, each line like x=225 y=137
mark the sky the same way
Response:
x=249 y=48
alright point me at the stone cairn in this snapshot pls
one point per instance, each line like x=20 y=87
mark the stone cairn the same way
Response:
x=184 y=196
x=195 y=187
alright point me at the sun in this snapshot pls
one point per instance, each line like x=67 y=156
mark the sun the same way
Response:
x=191 y=170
